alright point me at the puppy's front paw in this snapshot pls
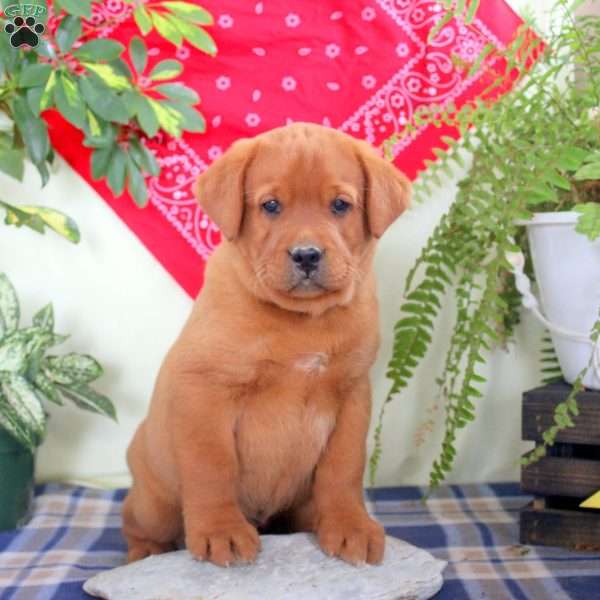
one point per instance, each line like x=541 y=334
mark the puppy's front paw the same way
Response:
x=224 y=544
x=357 y=539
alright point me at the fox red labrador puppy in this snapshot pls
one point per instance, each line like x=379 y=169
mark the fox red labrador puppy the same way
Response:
x=261 y=408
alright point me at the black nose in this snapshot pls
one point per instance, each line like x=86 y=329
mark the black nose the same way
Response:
x=306 y=258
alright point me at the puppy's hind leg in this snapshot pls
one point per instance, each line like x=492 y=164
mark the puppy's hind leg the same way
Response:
x=150 y=524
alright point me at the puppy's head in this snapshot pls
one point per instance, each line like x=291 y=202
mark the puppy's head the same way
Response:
x=303 y=205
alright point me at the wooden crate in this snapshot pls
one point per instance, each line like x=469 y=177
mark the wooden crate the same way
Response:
x=566 y=476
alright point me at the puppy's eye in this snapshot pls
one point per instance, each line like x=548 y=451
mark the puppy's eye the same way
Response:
x=340 y=207
x=272 y=207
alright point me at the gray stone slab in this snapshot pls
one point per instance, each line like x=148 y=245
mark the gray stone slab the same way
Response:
x=289 y=567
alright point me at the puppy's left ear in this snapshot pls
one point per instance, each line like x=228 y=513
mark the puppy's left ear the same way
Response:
x=220 y=189
x=387 y=190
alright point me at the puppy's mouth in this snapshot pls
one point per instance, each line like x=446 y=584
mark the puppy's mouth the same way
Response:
x=296 y=284
x=307 y=285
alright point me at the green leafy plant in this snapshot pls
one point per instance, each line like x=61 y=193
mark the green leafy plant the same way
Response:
x=176 y=22
x=535 y=148
x=102 y=88
x=29 y=376
x=39 y=218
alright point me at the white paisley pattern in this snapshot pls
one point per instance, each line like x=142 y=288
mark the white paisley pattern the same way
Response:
x=428 y=75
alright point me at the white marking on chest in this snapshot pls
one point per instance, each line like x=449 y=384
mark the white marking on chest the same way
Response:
x=318 y=430
x=314 y=363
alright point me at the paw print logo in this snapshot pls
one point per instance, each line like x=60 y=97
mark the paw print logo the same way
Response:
x=24 y=32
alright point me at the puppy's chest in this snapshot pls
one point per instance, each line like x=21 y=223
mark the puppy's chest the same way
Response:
x=283 y=428
x=308 y=373
x=311 y=366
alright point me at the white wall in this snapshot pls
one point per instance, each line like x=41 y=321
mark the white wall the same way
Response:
x=122 y=307
x=114 y=298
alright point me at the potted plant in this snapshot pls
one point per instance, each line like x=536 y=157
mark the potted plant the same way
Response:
x=117 y=100
x=535 y=158
x=110 y=93
x=30 y=376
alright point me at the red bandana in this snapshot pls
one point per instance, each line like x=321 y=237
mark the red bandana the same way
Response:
x=362 y=67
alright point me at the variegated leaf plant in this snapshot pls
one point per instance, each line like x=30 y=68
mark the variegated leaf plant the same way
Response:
x=40 y=217
x=29 y=376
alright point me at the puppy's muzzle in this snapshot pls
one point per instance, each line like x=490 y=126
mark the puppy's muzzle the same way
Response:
x=306 y=259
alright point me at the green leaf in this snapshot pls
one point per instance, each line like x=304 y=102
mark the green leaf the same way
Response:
x=45 y=50
x=68 y=31
x=194 y=35
x=116 y=171
x=9 y=308
x=54 y=219
x=556 y=179
x=471 y=11
x=20 y=430
x=169 y=119
x=69 y=101
x=71 y=369
x=139 y=54
x=143 y=157
x=103 y=101
x=9 y=56
x=108 y=75
x=34 y=99
x=87 y=398
x=485 y=52
x=121 y=67
x=540 y=193
x=34 y=131
x=33 y=75
x=189 y=11
x=570 y=158
x=12 y=162
x=100 y=161
x=21 y=395
x=131 y=100
x=48 y=94
x=166 y=69
x=192 y=119
x=136 y=183
x=178 y=92
x=167 y=29
x=18 y=218
x=587 y=172
x=81 y=8
x=47 y=388
x=589 y=222
x=99 y=50
x=143 y=20
x=105 y=139
x=146 y=116
x=44 y=318
x=93 y=129
x=13 y=354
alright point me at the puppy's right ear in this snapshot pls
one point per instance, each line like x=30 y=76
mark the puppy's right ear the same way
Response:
x=220 y=189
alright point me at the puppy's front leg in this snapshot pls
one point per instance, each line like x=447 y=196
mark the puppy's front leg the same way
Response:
x=203 y=437
x=342 y=523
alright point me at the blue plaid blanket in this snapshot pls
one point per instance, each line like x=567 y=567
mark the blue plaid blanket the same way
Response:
x=75 y=534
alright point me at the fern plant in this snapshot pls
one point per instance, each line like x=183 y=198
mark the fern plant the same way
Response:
x=29 y=376
x=533 y=148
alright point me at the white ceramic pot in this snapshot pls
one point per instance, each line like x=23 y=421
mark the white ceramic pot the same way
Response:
x=567 y=269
